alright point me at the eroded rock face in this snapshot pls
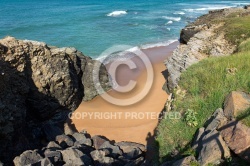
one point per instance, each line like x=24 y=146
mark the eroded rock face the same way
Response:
x=88 y=66
x=53 y=75
x=199 y=40
x=189 y=32
x=39 y=86
x=197 y=48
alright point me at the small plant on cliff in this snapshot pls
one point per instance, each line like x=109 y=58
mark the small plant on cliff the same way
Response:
x=190 y=118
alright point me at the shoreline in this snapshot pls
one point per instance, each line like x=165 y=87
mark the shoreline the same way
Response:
x=130 y=128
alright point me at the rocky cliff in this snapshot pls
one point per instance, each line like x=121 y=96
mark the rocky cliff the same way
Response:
x=39 y=85
x=225 y=135
x=199 y=40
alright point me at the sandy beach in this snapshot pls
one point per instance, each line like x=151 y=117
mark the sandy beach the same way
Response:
x=135 y=122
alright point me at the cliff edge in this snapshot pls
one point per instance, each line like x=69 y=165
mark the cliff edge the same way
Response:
x=40 y=85
x=201 y=39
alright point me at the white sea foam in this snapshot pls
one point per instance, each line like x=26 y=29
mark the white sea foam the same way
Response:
x=133 y=49
x=172 y=18
x=170 y=22
x=241 y=3
x=148 y=46
x=160 y=44
x=129 y=53
x=117 y=13
x=207 y=8
x=179 y=13
x=121 y=55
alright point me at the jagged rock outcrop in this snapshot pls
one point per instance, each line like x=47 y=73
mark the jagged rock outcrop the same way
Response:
x=198 y=41
x=189 y=31
x=39 y=85
x=222 y=133
x=208 y=142
x=235 y=133
x=108 y=153
x=247 y=7
x=236 y=103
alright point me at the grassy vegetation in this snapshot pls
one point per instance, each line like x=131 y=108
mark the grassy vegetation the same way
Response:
x=237 y=29
x=206 y=85
x=203 y=87
x=244 y=46
x=244 y=117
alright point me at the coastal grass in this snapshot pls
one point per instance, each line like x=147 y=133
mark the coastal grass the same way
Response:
x=237 y=29
x=244 y=46
x=204 y=87
x=244 y=117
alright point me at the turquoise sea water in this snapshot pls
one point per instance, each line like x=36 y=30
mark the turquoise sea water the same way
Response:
x=95 y=25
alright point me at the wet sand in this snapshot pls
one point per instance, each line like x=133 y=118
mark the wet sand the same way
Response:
x=135 y=122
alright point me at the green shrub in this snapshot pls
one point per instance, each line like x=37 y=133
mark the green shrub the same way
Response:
x=190 y=118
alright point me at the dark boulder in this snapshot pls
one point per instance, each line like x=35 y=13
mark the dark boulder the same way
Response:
x=27 y=157
x=247 y=7
x=64 y=141
x=100 y=158
x=84 y=148
x=79 y=136
x=98 y=141
x=54 y=156
x=115 y=151
x=52 y=145
x=124 y=145
x=43 y=162
x=188 y=32
x=72 y=156
x=86 y=141
x=131 y=150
